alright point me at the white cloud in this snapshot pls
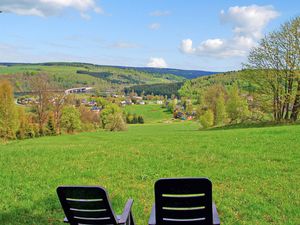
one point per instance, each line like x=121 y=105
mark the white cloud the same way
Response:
x=159 y=13
x=249 y=20
x=157 y=62
x=247 y=23
x=45 y=8
x=187 y=46
x=154 y=26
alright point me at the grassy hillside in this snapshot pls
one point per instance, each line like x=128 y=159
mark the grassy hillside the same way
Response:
x=255 y=172
x=67 y=75
x=61 y=76
x=150 y=113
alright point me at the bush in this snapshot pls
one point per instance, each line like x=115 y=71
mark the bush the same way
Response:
x=116 y=122
x=107 y=111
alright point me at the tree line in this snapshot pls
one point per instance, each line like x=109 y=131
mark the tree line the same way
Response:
x=267 y=89
x=167 y=89
x=53 y=113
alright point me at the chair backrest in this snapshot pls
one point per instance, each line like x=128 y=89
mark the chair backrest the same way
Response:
x=86 y=205
x=184 y=201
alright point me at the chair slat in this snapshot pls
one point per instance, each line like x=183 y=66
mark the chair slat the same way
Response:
x=90 y=213
x=183 y=201
x=86 y=204
x=181 y=214
x=199 y=222
x=99 y=221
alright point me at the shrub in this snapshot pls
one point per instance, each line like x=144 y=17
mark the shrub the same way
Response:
x=107 y=111
x=116 y=122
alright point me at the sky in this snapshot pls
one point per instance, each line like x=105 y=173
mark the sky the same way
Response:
x=192 y=34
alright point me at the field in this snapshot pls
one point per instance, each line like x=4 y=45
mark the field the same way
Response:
x=151 y=113
x=255 y=172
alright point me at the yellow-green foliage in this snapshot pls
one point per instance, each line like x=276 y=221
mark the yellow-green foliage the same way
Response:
x=207 y=119
x=237 y=107
x=221 y=114
x=109 y=109
x=70 y=119
x=8 y=112
x=116 y=122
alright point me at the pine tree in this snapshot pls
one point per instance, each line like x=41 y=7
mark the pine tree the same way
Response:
x=50 y=125
x=135 y=119
x=140 y=119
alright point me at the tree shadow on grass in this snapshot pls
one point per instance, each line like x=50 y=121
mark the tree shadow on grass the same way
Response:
x=46 y=211
x=252 y=125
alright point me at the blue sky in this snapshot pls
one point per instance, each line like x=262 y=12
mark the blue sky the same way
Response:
x=206 y=35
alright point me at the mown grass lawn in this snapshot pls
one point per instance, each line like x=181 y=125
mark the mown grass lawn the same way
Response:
x=255 y=172
x=151 y=113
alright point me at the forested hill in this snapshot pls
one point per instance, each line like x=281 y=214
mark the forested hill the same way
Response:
x=187 y=74
x=68 y=75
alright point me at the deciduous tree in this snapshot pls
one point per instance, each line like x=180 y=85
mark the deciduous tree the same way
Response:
x=8 y=113
x=70 y=119
x=275 y=66
x=207 y=119
x=40 y=86
x=221 y=114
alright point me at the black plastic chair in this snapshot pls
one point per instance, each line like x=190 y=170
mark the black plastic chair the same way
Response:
x=91 y=205
x=183 y=201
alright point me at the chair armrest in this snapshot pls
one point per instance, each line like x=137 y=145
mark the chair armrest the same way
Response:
x=66 y=220
x=126 y=212
x=216 y=220
x=152 y=219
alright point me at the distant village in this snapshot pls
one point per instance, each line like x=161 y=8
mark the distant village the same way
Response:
x=89 y=99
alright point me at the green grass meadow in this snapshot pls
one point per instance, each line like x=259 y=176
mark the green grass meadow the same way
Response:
x=151 y=113
x=255 y=171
